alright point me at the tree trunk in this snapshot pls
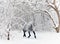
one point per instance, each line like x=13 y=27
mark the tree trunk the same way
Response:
x=57 y=28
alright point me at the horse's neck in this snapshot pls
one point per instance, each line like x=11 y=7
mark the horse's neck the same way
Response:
x=28 y=25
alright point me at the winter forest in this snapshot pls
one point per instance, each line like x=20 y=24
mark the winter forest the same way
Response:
x=44 y=15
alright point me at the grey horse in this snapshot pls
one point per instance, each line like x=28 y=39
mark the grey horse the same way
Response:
x=28 y=28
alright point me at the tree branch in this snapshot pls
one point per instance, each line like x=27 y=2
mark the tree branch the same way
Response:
x=52 y=7
x=51 y=18
x=54 y=2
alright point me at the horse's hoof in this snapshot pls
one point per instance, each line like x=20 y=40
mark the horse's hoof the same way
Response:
x=29 y=36
x=34 y=36
x=24 y=36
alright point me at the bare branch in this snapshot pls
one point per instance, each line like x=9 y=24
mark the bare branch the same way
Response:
x=51 y=18
x=52 y=7
x=57 y=11
x=54 y=2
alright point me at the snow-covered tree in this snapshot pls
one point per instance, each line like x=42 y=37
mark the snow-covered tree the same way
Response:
x=54 y=6
x=14 y=14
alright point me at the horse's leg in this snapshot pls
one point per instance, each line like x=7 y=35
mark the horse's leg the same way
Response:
x=34 y=34
x=29 y=34
x=24 y=33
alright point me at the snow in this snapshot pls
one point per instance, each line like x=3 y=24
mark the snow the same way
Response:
x=8 y=14
x=42 y=38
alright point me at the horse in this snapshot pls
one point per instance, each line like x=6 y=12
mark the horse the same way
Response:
x=28 y=28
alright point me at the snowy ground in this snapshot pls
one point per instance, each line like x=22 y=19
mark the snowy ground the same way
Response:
x=42 y=38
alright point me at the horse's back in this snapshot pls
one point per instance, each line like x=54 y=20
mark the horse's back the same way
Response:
x=29 y=27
